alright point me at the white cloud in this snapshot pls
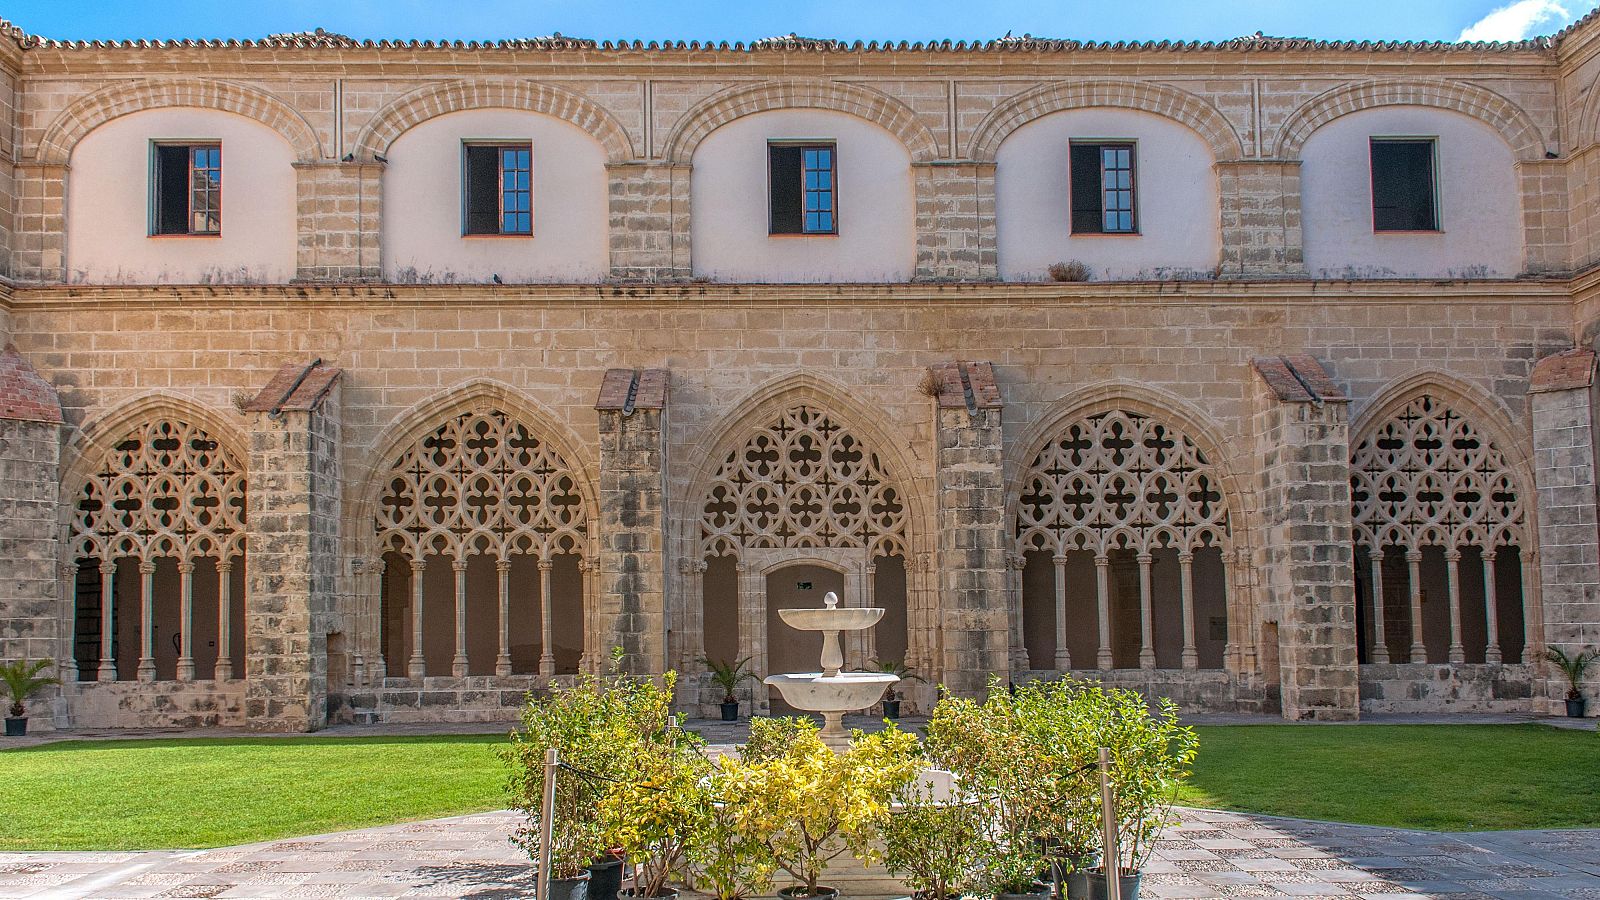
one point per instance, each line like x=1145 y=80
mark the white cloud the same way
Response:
x=1516 y=21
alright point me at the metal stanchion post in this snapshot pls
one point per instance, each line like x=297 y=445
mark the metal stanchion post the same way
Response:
x=547 y=814
x=1108 y=809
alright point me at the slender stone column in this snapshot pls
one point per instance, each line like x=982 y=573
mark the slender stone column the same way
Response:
x=1015 y=564
x=973 y=541
x=1380 y=639
x=1530 y=621
x=458 y=663
x=1458 y=653
x=223 y=671
x=1063 y=656
x=147 y=621
x=502 y=660
x=692 y=630
x=186 y=637
x=1102 y=593
x=547 y=640
x=1419 y=650
x=1491 y=609
x=108 y=663
x=1191 y=654
x=417 y=664
x=632 y=527
x=869 y=636
x=1147 y=645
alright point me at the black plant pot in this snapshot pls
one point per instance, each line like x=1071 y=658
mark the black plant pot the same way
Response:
x=633 y=894
x=17 y=726
x=891 y=709
x=730 y=711
x=569 y=888
x=1575 y=709
x=1075 y=884
x=1040 y=892
x=798 y=892
x=1099 y=890
x=605 y=879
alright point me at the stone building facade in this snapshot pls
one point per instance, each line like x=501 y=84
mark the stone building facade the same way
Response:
x=342 y=459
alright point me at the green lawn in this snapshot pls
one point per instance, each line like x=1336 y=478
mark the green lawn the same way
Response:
x=150 y=794
x=1444 y=777
x=156 y=794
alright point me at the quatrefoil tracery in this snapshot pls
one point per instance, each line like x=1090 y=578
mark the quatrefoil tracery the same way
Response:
x=481 y=483
x=802 y=481
x=166 y=489
x=1120 y=480
x=1426 y=476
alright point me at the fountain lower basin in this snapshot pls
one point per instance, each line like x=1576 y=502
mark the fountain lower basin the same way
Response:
x=816 y=692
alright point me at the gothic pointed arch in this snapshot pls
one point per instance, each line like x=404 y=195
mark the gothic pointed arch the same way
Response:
x=1162 y=100
x=1441 y=507
x=92 y=110
x=486 y=93
x=1512 y=121
x=1126 y=529
x=155 y=501
x=721 y=108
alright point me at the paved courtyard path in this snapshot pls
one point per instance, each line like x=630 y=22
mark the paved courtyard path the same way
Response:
x=1211 y=854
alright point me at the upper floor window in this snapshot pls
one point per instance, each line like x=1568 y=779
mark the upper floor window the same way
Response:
x=1102 y=188
x=186 y=195
x=1404 y=189
x=498 y=194
x=802 y=189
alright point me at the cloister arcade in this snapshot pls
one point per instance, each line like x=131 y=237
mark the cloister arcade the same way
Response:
x=1125 y=538
x=1124 y=527
x=1443 y=561
x=158 y=547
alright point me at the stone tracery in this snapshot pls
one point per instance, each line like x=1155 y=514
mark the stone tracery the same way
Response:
x=803 y=481
x=1427 y=477
x=481 y=484
x=1122 y=481
x=168 y=489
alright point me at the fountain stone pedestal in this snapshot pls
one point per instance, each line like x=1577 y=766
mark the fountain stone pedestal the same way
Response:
x=832 y=692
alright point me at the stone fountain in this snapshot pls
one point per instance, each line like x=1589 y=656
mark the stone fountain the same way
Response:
x=832 y=692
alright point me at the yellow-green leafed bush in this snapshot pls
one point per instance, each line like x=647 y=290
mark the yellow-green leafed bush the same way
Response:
x=808 y=805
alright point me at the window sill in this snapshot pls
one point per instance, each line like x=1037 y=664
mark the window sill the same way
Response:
x=802 y=234
x=1105 y=234
x=201 y=235
x=469 y=237
x=1403 y=231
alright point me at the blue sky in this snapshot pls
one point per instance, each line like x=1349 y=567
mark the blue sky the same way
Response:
x=846 y=19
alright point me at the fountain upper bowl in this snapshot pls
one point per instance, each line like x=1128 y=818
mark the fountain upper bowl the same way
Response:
x=836 y=618
x=846 y=691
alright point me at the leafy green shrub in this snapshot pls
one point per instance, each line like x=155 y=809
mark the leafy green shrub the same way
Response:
x=809 y=805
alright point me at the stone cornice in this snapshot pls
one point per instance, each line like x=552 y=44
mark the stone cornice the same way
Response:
x=26 y=299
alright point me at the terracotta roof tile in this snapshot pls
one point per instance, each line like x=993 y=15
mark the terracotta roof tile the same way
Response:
x=630 y=389
x=1298 y=378
x=1564 y=371
x=295 y=387
x=24 y=396
x=963 y=384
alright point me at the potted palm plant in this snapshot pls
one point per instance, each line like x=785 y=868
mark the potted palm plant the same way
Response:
x=23 y=682
x=891 y=697
x=729 y=676
x=1573 y=666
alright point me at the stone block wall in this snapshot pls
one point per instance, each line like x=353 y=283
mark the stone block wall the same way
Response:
x=339 y=215
x=632 y=526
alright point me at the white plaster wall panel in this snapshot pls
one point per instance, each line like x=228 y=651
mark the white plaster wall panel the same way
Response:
x=876 y=240
x=108 y=204
x=1479 y=207
x=422 y=195
x=1177 y=199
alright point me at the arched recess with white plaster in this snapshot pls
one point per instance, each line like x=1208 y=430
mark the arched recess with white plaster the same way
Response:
x=423 y=239
x=1177 y=197
x=876 y=239
x=1445 y=530
x=1479 y=201
x=480 y=498
x=152 y=507
x=109 y=203
x=800 y=476
x=1116 y=493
